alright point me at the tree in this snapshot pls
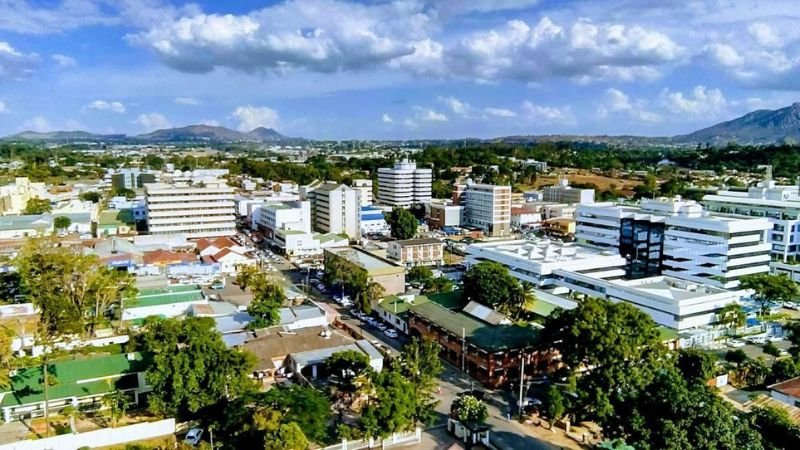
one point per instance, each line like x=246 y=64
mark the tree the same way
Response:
x=6 y=357
x=246 y=275
x=468 y=409
x=491 y=283
x=394 y=405
x=772 y=350
x=419 y=362
x=117 y=404
x=526 y=299
x=403 y=224
x=371 y=295
x=93 y=197
x=732 y=316
x=62 y=222
x=192 y=367
x=419 y=274
x=736 y=356
x=440 y=189
x=554 y=404
x=793 y=333
x=346 y=369
x=37 y=206
x=268 y=299
x=776 y=428
x=437 y=285
x=784 y=369
x=129 y=194
x=305 y=406
x=695 y=364
x=769 y=289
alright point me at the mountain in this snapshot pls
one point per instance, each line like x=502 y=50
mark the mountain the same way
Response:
x=758 y=127
x=266 y=134
x=71 y=136
x=195 y=133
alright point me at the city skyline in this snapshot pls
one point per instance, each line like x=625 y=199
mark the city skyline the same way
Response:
x=407 y=69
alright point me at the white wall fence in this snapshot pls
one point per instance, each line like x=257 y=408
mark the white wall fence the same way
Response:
x=395 y=440
x=97 y=438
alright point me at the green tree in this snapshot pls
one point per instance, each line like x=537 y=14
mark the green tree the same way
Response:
x=192 y=367
x=526 y=300
x=403 y=224
x=419 y=274
x=732 y=316
x=288 y=436
x=93 y=197
x=695 y=364
x=37 y=206
x=776 y=428
x=784 y=369
x=772 y=350
x=468 y=409
x=305 y=406
x=129 y=194
x=770 y=289
x=419 y=363
x=393 y=407
x=437 y=285
x=737 y=356
x=62 y=222
x=268 y=299
x=116 y=404
x=371 y=294
x=347 y=369
x=491 y=283
x=554 y=405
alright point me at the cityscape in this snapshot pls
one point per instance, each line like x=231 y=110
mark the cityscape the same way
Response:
x=411 y=224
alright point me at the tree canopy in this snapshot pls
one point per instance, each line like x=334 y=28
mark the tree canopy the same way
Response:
x=37 y=206
x=403 y=224
x=491 y=283
x=770 y=289
x=268 y=299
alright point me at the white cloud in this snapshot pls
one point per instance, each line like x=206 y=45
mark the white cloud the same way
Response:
x=700 y=103
x=410 y=123
x=386 y=118
x=252 y=117
x=21 y=16
x=152 y=122
x=547 y=114
x=429 y=115
x=3 y=108
x=618 y=103
x=190 y=101
x=15 y=65
x=457 y=106
x=102 y=105
x=764 y=35
x=724 y=54
x=63 y=61
x=37 y=123
x=499 y=112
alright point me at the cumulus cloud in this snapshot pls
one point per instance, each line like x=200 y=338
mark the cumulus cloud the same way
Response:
x=386 y=118
x=63 y=61
x=102 y=105
x=190 y=101
x=457 y=106
x=3 y=108
x=429 y=115
x=152 y=121
x=724 y=54
x=700 y=103
x=616 y=102
x=37 y=123
x=499 y=112
x=547 y=114
x=30 y=17
x=252 y=117
x=764 y=35
x=15 y=65
x=584 y=50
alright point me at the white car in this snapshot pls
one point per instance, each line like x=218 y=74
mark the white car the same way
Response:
x=775 y=338
x=733 y=343
x=391 y=332
x=381 y=326
x=193 y=436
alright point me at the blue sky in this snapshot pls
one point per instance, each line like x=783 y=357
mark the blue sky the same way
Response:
x=339 y=69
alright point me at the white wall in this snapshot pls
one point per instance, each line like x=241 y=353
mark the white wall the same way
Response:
x=97 y=438
x=168 y=310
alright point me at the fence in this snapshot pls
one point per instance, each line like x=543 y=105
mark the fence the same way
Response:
x=97 y=438
x=395 y=440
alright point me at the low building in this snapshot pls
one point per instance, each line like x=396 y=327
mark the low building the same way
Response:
x=209 y=247
x=417 y=252
x=389 y=275
x=393 y=309
x=373 y=221
x=112 y=222
x=787 y=391
x=20 y=227
x=525 y=217
x=559 y=227
x=82 y=383
x=229 y=260
x=302 y=245
x=444 y=215
x=172 y=301
x=564 y=193
x=365 y=188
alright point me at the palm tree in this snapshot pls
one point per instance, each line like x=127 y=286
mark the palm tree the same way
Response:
x=526 y=299
x=732 y=316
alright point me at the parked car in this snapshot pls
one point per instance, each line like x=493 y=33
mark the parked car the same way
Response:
x=381 y=326
x=193 y=436
x=791 y=305
x=775 y=338
x=733 y=343
x=391 y=332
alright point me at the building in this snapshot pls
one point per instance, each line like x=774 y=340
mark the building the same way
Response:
x=787 y=391
x=293 y=216
x=82 y=384
x=778 y=204
x=335 y=208
x=443 y=215
x=365 y=188
x=677 y=238
x=200 y=210
x=133 y=178
x=564 y=193
x=112 y=222
x=373 y=221
x=417 y=252
x=390 y=276
x=562 y=227
x=229 y=260
x=486 y=206
x=539 y=166
x=404 y=184
x=537 y=261
x=14 y=197
x=525 y=217
x=19 y=227
x=171 y=301
x=302 y=245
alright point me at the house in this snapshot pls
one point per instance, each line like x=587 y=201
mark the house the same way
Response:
x=417 y=252
x=18 y=227
x=112 y=222
x=170 y=301
x=208 y=247
x=229 y=260
x=82 y=383
x=389 y=275
x=166 y=257
x=787 y=391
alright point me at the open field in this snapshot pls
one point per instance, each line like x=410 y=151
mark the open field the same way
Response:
x=602 y=182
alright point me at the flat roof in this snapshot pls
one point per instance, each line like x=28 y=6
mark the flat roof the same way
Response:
x=412 y=242
x=364 y=259
x=274 y=344
x=670 y=288
x=111 y=217
x=540 y=250
x=168 y=295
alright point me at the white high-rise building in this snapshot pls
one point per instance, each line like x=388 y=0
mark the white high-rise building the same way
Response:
x=564 y=193
x=404 y=184
x=205 y=209
x=294 y=216
x=486 y=206
x=365 y=187
x=335 y=208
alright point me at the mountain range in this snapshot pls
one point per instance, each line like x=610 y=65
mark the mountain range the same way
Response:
x=758 y=127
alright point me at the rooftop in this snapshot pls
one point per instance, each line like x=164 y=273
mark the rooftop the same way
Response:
x=115 y=217
x=670 y=288
x=169 y=295
x=540 y=250
x=365 y=260
x=412 y=242
x=274 y=344
x=789 y=387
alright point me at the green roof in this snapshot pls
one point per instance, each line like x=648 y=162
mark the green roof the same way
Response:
x=325 y=237
x=76 y=378
x=115 y=217
x=668 y=334
x=277 y=206
x=492 y=338
x=290 y=232
x=449 y=300
x=399 y=307
x=169 y=295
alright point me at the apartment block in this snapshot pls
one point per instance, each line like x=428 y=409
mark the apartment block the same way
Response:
x=365 y=188
x=335 y=208
x=416 y=252
x=197 y=210
x=133 y=178
x=564 y=193
x=404 y=184
x=486 y=206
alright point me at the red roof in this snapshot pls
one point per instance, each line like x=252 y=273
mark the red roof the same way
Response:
x=167 y=257
x=789 y=387
x=220 y=242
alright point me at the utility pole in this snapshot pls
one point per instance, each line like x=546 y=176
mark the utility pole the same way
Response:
x=463 y=349
x=521 y=383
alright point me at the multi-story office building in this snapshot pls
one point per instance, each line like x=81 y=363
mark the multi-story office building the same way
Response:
x=778 y=204
x=677 y=238
x=365 y=188
x=404 y=184
x=133 y=178
x=295 y=216
x=486 y=206
x=206 y=209
x=564 y=193
x=335 y=208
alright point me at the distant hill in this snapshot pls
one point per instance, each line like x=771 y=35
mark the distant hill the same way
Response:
x=191 y=133
x=758 y=127
x=71 y=136
x=266 y=134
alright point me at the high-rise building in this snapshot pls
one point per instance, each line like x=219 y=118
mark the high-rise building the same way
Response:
x=365 y=187
x=200 y=210
x=404 y=184
x=133 y=178
x=294 y=216
x=486 y=206
x=564 y=193
x=335 y=208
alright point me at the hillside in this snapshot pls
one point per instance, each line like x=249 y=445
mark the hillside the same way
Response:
x=758 y=127
x=70 y=136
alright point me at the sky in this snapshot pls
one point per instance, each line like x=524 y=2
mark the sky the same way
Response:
x=395 y=69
